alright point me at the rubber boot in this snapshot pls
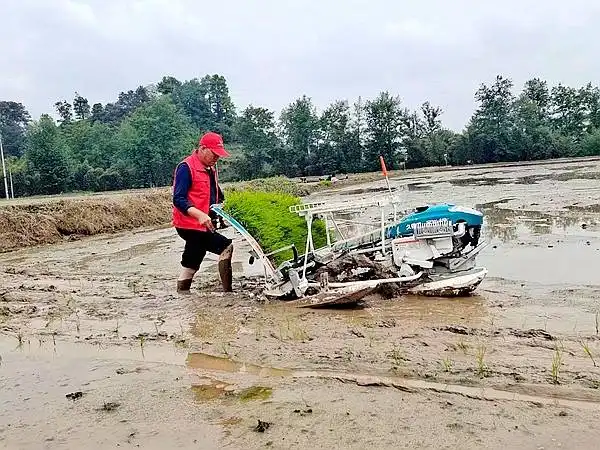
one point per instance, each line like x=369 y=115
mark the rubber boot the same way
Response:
x=226 y=274
x=183 y=286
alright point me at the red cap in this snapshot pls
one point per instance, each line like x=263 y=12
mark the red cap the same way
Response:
x=214 y=142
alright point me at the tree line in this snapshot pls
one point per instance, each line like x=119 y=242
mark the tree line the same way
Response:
x=137 y=140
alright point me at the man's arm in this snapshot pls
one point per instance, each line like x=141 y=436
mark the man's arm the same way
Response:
x=183 y=182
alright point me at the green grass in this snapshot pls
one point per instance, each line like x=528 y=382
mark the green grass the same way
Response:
x=267 y=218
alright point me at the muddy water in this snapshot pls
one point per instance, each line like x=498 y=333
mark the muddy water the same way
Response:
x=159 y=370
x=542 y=224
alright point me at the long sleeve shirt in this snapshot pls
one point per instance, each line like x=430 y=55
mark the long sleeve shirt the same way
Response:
x=183 y=182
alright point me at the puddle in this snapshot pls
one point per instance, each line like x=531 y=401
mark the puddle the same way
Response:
x=485 y=181
x=363 y=191
x=564 y=176
x=419 y=187
x=539 y=394
x=209 y=389
x=199 y=360
x=467 y=311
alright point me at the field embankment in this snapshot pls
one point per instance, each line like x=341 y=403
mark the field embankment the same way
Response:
x=51 y=219
x=23 y=225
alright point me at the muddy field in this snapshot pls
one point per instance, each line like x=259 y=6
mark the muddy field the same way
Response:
x=98 y=351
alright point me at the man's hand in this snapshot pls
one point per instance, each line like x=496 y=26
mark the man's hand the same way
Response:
x=201 y=217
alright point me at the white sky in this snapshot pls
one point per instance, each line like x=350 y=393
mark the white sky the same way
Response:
x=272 y=52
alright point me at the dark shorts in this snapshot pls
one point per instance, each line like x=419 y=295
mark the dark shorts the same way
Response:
x=197 y=243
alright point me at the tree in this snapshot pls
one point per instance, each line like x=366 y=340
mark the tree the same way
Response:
x=568 y=111
x=491 y=124
x=536 y=91
x=81 y=107
x=336 y=139
x=126 y=104
x=47 y=156
x=358 y=135
x=97 y=112
x=531 y=135
x=219 y=104
x=590 y=96
x=64 y=110
x=168 y=85
x=14 y=119
x=190 y=96
x=385 y=130
x=257 y=135
x=299 y=127
x=153 y=140
x=431 y=114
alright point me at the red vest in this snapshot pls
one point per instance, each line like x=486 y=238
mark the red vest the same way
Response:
x=198 y=195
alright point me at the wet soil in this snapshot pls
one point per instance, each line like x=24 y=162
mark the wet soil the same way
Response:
x=98 y=351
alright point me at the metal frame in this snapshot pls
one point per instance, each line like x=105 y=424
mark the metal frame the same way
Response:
x=326 y=210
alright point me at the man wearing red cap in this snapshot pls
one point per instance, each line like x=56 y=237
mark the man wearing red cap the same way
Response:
x=195 y=188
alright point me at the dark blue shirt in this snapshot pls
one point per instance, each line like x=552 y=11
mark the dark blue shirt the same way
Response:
x=183 y=182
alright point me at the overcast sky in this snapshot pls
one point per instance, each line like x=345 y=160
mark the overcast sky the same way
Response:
x=273 y=51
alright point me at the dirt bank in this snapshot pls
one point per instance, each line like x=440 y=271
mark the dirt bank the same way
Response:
x=48 y=220
x=23 y=225
x=513 y=366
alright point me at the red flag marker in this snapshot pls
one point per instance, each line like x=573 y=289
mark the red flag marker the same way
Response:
x=383 y=168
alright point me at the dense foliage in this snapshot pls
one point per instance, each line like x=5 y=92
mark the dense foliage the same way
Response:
x=137 y=140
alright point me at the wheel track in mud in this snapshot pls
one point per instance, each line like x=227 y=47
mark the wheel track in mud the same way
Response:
x=535 y=394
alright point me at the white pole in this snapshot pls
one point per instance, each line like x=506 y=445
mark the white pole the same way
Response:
x=12 y=189
x=4 y=168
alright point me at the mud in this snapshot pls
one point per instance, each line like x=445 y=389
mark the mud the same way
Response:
x=98 y=351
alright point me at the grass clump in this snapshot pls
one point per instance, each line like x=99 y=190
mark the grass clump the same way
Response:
x=255 y=393
x=556 y=363
x=267 y=218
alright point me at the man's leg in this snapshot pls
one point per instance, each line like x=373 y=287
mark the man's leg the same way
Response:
x=192 y=257
x=225 y=270
x=222 y=246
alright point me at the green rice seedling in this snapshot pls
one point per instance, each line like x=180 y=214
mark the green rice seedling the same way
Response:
x=292 y=331
x=142 y=342
x=480 y=359
x=396 y=355
x=586 y=349
x=371 y=336
x=447 y=364
x=278 y=184
x=556 y=363
x=266 y=216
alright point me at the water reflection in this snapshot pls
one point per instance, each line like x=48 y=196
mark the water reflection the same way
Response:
x=538 y=247
x=509 y=225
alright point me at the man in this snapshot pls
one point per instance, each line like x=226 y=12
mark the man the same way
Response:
x=195 y=188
